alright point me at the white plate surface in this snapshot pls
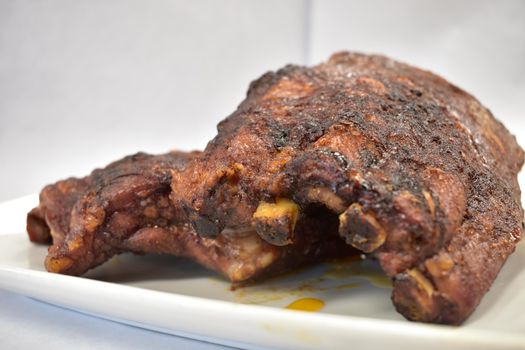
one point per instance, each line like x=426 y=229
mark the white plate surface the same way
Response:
x=176 y=296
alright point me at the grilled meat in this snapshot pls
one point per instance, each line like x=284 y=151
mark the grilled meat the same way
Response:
x=392 y=159
x=125 y=207
x=417 y=172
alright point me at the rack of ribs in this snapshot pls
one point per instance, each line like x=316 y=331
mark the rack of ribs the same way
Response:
x=125 y=207
x=357 y=154
x=418 y=173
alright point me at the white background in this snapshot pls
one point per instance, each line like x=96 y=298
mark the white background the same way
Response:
x=85 y=82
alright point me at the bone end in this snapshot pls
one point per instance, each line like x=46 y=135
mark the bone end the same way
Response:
x=360 y=229
x=275 y=222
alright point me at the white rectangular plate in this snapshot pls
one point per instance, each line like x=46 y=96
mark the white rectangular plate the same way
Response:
x=176 y=296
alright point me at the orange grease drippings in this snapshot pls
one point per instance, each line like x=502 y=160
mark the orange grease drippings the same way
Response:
x=306 y=304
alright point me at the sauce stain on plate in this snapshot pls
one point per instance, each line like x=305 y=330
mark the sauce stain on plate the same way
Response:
x=306 y=304
x=345 y=286
x=363 y=269
x=325 y=281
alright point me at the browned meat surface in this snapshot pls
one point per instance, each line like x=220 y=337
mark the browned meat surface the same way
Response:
x=417 y=172
x=126 y=207
x=398 y=162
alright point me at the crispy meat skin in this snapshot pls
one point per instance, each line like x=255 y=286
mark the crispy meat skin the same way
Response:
x=420 y=174
x=125 y=207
